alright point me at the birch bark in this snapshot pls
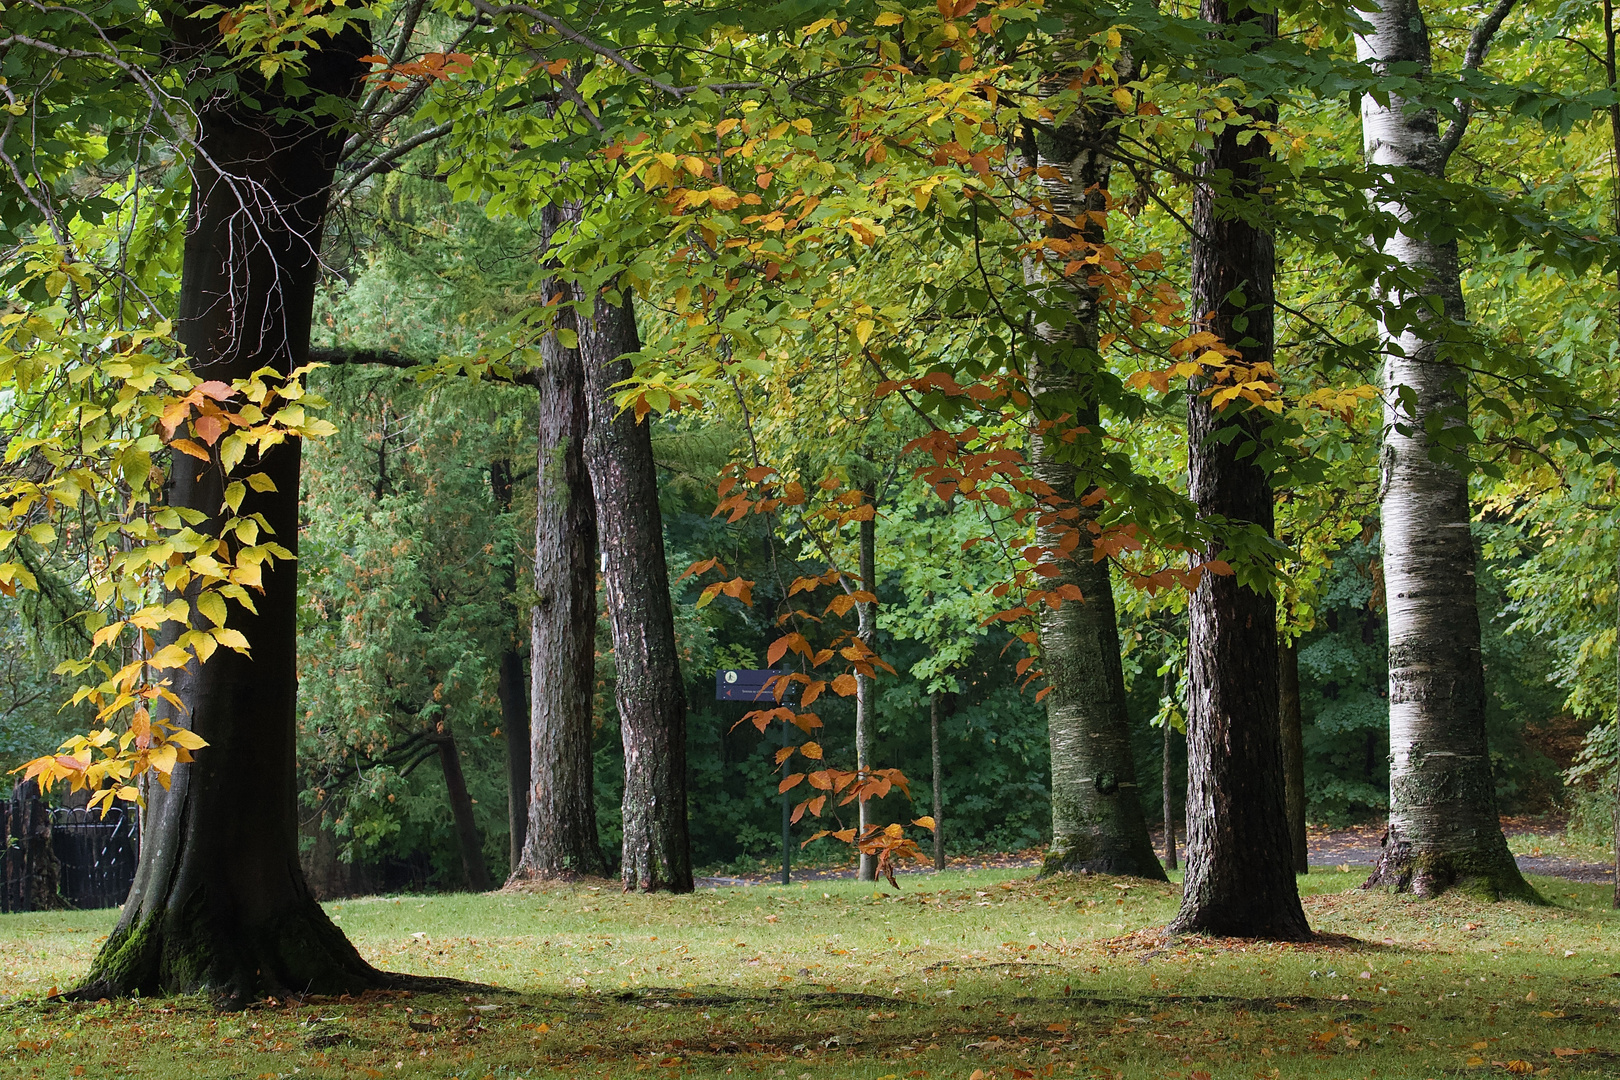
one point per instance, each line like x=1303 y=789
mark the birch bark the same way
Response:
x=1443 y=826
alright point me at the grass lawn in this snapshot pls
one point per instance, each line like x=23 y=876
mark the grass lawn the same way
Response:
x=985 y=973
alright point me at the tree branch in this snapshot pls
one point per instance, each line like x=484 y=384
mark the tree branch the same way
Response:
x=389 y=358
x=1478 y=44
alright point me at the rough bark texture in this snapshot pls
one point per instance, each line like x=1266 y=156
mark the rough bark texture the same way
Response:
x=1240 y=877
x=467 y=837
x=1293 y=751
x=866 y=627
x=1443 y=826
x=1097 y=821
x=650 y=691
x=562 y=839
x=219 y=901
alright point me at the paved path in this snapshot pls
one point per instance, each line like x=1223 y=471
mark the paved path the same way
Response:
x=1356 y=848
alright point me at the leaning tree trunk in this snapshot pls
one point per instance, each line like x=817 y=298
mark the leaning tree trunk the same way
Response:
x=1240 y=874
x=1098 y=825
x=1292 y=730
x=866 y=621
x=470 y=843
x=562 y=840
x=1443 y=825
x=650 y=692
x=219 y=901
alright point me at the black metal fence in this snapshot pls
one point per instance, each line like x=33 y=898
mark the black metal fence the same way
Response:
x=56 y=858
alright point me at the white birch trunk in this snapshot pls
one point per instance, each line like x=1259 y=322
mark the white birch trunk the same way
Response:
x=1443 y=825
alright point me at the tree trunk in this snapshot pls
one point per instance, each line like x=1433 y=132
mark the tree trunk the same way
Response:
x=461 y=809
x=1293 y=750
x=515 y=725
x=1612 y=70
x=562 y=838
x=219 y=901
x=866 y=623
x=1098 y=825
x=1240 y=877
x=1443 y=825
x=1169 y=778
x=935 y=707
x=511 y=689
x=650 y=691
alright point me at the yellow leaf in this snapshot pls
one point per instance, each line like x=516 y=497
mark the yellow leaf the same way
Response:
x=1122 y=98
x=260 y=482
x=863 y=330
x=163 y=759
x=186 y=737
x=889 y=18
x=212 y=606
x=231 y=639
x=233 y=494
x=170 y=656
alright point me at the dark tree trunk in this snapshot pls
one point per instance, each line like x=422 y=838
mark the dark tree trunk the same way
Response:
x=866 y=621
x=1293 y=751
x=513 y=692
x=1443 y=825
x=219 y=901
x=1240 y=873
x=935 y=707
x=461 y=809
x=562 y=839
x=1168 y=780
x=650 y=692
x=1097 y=821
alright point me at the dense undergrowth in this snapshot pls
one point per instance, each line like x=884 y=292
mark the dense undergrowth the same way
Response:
x=967 y=972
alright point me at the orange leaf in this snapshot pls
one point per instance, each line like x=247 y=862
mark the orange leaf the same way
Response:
x=844 y=685
x=790 y=782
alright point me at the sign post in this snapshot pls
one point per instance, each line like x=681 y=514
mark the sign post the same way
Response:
x=757 y=686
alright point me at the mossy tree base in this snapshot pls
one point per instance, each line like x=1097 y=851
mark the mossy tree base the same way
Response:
x=1489 y=873
x=186 y=951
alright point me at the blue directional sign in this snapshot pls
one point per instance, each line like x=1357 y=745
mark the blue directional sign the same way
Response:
x=749 y=684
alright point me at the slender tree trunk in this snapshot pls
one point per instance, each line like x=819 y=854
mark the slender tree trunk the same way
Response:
x=1293 y=750
x=650 y=692
x=562 y=838
x=1610 y=34
x=866 y=621
x=461 y=809
x=1098 y=825
x=219 y=901
x=513 y=693
x=1169 y=780
x=1443 y=825
x=1240 y=877
x=935 y=707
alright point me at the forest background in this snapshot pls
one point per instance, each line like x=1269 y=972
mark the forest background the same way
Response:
x=416 y=528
